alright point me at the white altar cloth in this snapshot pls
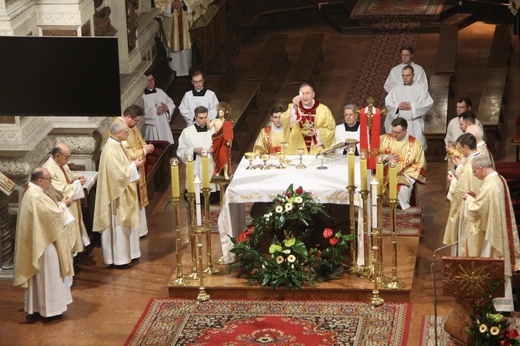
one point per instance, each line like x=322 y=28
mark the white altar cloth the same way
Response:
x=326 y=185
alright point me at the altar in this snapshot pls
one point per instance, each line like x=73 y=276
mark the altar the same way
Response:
x=328 y=186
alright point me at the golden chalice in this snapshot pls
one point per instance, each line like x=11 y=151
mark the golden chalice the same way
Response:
x=301 y=151
x=265 y=157
x=285 y=146
x=250 y=156
x=281 y=159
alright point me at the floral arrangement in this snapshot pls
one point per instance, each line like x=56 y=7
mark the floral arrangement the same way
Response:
x=293 y=257
x=488 y=327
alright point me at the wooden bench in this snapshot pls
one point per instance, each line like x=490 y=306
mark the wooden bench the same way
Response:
x=436 y=120
x=273 y=50
x=447 y=53
x=307 y=62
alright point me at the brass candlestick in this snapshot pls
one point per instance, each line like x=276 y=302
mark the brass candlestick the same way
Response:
x=193 y=230
x=354 y=268
x=202 y=296
x=376 y=299
x=365 y=272
x=181 y=280
x=380 y=271
x=210 y=270
x=394 y=284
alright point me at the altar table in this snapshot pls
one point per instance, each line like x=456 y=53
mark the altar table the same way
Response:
x=328 y=186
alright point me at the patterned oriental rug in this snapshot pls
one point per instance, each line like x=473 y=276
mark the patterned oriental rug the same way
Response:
x=253 y=322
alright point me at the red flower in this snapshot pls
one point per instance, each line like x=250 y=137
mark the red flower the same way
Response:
x=513 y=334
x=288 y=195
x=299 y=190
x=245 y=235
x=333 y=241
x=327 y=233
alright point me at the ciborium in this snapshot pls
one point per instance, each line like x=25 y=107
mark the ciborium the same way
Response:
x=281 y=159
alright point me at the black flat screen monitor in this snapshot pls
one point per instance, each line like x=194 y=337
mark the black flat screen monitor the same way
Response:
x=59 y=76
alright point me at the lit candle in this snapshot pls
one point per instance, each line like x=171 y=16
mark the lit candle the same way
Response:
x=351 y=164
x=379 y=175
x=392 y=181
x=198 y=214
x=189 y=175
x=175 y=177
x=374 y=187
x=205 y=170
x=363 y=170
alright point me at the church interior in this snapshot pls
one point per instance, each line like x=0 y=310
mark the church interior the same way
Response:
x=250 y=53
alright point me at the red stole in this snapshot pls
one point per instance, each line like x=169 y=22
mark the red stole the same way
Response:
x=509 y=225
x=306 y=115
x=370 y=147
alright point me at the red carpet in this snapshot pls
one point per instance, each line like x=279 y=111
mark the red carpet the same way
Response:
x=253 y=322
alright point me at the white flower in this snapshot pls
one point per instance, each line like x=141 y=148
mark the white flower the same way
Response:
x=263 y=266
x=494 y=330
x=279 y=259
x=288 y=206
x=298 y=199
x=483 y=328
x=279 y=209
x=286 y=251
x=291 y=259
x=292 y=266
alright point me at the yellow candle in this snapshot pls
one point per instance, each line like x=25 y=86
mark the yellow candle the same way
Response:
x=351 y=164
x=190 y=176
x=392 y=182
x=379 y=176
x=175 y=178
x=363 y=170
x=205 y=171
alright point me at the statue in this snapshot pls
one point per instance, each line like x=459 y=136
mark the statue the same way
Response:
x=222 y=140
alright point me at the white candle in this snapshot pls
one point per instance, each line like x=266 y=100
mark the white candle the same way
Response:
x=198 y=214
x=373 y=187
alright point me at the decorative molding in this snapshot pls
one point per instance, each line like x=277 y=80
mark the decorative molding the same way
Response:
x=59 y=18
x=79 y=144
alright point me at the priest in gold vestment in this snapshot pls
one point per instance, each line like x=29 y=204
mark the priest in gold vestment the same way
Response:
x=493 y=231
x=65 y=183
x=307 y=123
x=137 y=147
x=408 y=154
x=43 y=262
x=461 y=181
x=116 y=213
x=270 y=138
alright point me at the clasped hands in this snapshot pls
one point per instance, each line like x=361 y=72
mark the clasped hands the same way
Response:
x=161 y=108
x=405 y=106
x=199 y=150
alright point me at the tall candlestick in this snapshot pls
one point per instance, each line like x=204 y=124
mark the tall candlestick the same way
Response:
x=175 y=177
x=189 y=175
x=198 y=212
x=379 y=175
x=374 y=184
x=351 y=164
x=363 y=170
x=205 y=170
x=392 y=181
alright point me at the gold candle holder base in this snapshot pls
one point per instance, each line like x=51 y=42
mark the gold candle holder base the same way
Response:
x=395 y=285
x=203 y=296
x=180 y=282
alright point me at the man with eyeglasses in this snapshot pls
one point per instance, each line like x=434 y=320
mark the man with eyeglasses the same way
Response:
x=493 y=231
x=198 y=96
x=137 y=148
x=408 y=155
x=65 y=183
x=158 y=110
x=116 y=213
x=43 y=263
x=460 y=180
x=270 y=138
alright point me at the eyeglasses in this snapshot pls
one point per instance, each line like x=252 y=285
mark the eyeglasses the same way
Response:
x=47 y=178
x=476 y=169
x=66 y=157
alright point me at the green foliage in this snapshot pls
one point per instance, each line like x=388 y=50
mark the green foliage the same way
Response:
x=290 y=263
x=489 y=327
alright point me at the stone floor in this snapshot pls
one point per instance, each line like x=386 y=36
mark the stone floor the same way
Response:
x=108 y=302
